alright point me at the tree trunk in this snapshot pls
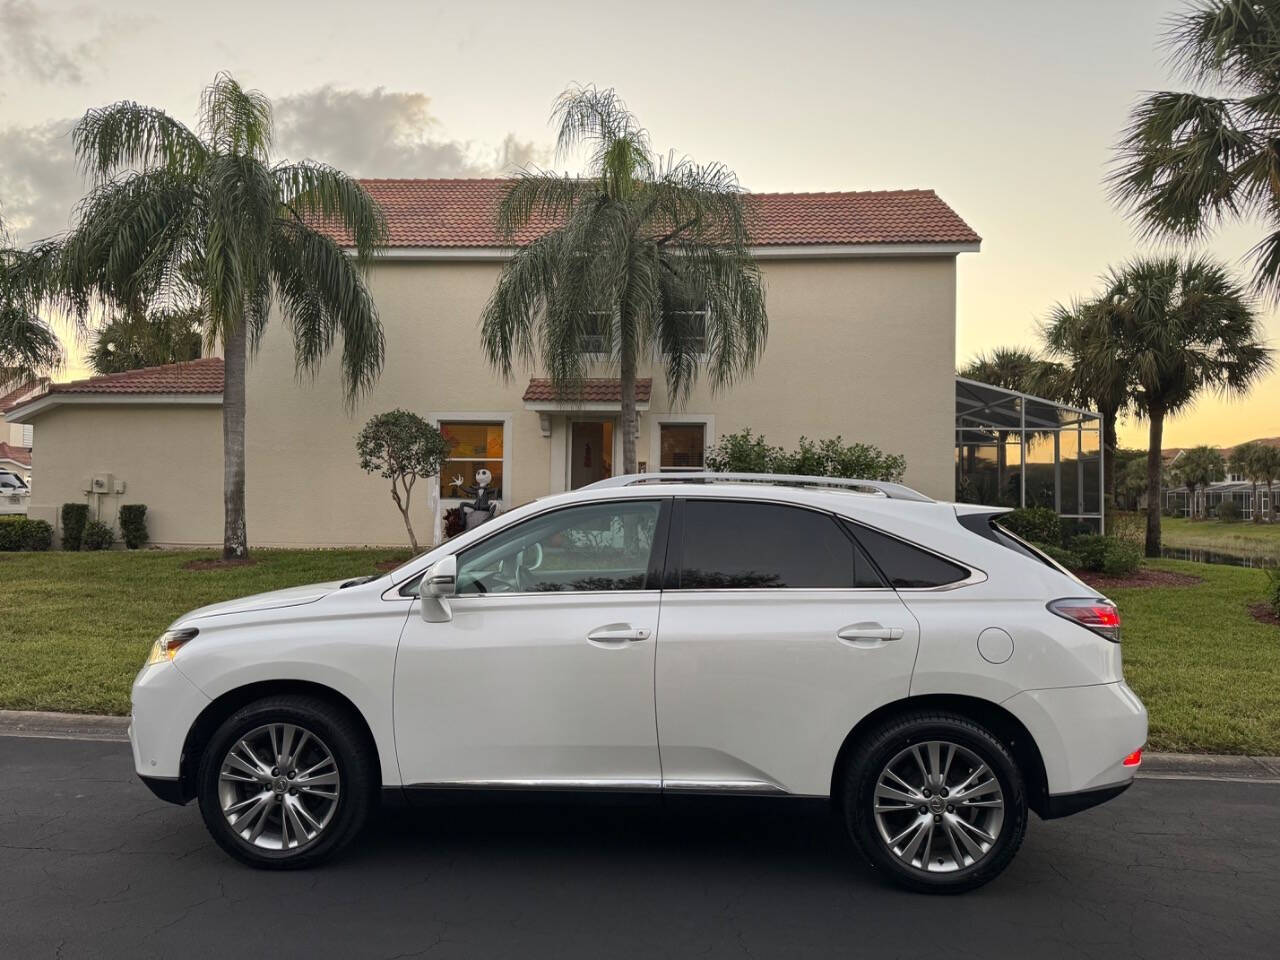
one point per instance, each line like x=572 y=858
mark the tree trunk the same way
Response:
x=628 y=376
x=1255 y=508
x=1153 y=483
x=235 y=536
x=403 y=505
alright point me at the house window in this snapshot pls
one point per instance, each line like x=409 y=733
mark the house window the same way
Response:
x=474 y=446
x=682 y=446
x=692 y=322
x=595 y=337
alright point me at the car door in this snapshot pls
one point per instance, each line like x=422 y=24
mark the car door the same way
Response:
x=778 y=635
x=543 y=676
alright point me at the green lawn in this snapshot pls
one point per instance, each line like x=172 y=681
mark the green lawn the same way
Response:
x=1241 y=538
x=1208 y=672
x=74 y=628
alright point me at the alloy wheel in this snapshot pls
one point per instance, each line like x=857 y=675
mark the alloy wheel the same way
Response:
x=938 y=807
x=278 y=787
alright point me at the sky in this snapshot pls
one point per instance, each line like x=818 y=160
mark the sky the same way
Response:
x=1009 y=109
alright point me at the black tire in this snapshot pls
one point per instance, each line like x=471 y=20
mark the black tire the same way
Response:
x=879 y=747
x=345 y=740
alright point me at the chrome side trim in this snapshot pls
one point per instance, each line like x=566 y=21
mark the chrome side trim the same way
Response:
x=602 y=784
x=723 y=786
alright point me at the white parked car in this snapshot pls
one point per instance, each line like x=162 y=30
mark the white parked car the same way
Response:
x=933 y=676
x=15 y=495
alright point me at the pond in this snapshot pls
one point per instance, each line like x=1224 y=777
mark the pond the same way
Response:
x=1200 y=555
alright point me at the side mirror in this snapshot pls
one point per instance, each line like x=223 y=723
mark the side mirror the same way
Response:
x=439 y=583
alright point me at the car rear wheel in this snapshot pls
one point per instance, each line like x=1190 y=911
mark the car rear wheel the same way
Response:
x=285 y=782
x=936 y=802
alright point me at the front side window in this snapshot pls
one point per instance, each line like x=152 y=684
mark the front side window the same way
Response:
x=473 y=446
x=743 y=545
x=682 y=446
x=906 y=566
x=593 y=547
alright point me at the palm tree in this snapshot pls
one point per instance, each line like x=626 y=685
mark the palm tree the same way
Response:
x=188 y=220
x=1188 y=161
x=1014 y=368
x=28 y=346
x=1246 y=461
x=1095 y=379
x=1199 y=467
x=1269 y=471
x=650 y=257
x=135 y=339
x=1179 y=327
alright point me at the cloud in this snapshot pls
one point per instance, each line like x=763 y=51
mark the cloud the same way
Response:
x=39 y=181
x=25 y=45
x=377 y=133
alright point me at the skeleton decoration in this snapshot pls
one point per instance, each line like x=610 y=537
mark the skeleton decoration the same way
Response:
x=484 y=507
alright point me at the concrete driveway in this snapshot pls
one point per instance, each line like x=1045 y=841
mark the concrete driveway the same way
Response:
x=91 y=865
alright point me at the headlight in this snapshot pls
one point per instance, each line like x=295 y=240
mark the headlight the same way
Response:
x=170 y=642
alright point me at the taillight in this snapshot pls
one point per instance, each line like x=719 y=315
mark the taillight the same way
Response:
x=1133 y=759
x=1100 y=616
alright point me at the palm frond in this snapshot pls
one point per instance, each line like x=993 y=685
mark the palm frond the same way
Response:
x=128 y=135
x=234 y=120
x=317 y=192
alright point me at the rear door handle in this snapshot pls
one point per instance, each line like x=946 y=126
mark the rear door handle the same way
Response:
x=869 y=631
x=615 y=634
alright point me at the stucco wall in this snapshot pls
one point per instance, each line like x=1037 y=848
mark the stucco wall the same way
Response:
x=861 y=347
x=169 y=457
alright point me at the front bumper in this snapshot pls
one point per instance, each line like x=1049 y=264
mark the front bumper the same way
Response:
x=165 y=705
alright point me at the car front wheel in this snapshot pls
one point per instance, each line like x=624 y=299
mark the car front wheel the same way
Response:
x=936 y=802
x=285 y=782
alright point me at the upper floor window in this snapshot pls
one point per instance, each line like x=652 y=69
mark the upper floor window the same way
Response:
x=691 y=320
x=596 y=337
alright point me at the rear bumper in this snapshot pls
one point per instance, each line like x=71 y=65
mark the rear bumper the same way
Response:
x=1065 y=804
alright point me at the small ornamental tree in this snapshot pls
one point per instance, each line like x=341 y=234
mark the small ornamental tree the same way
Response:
x=402 y=447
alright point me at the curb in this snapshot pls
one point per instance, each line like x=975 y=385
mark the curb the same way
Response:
x=1155 y=766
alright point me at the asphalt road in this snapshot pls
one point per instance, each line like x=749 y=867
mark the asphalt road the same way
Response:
x=91 y=865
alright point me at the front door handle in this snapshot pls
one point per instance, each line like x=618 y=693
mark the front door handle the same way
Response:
x=869 y=631
x=615 y=634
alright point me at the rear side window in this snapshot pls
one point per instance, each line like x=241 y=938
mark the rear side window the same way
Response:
x=904 y=565
x=741 y=545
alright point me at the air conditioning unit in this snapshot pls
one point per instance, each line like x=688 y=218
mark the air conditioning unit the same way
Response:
x=102 y=483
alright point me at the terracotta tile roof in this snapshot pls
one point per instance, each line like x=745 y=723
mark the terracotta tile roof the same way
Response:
x=20 y=455
x=594 y=390
x=14 y=396
x=193 y=376
x=462 y=213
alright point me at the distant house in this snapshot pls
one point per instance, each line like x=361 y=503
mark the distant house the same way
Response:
x=1234 y=486
x=861 y=294
x=17 y=439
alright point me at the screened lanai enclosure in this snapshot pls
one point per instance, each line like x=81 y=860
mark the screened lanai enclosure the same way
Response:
x=1016 y=450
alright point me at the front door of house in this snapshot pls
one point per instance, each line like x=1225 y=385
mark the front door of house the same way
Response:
x=590 y=452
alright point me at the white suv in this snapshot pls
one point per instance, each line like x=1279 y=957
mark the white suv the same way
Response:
x=666 y=635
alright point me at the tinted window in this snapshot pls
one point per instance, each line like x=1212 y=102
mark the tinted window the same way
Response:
x=598 y=546
x=905 y=565
x=731 y=544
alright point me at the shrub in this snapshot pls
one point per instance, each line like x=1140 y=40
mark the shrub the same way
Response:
x=74 y=518
x=133 y=525
x=1037 y=524
x=23 y=533
x=748 y=452
x=1273 y=590
x=11 y=530
x=1229 y=512
x=1116 y=558
x=98 y=536
x=1068 y=558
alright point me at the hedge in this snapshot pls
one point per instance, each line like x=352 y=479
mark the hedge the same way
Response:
x=1037 y=524
x=74 y=518
x=98 y=536
x=133 y=525
x=1107 y=555
x=23 y=533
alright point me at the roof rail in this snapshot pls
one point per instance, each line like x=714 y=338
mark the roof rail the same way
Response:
x=882 y=488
